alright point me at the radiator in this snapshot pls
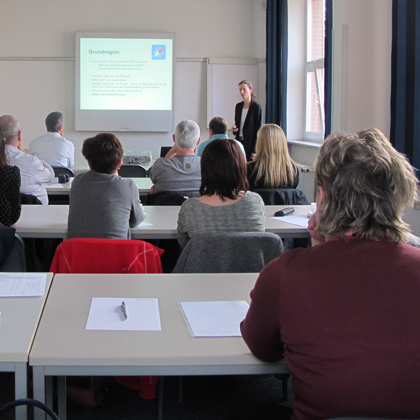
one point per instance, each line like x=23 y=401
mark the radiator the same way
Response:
x=307 y=182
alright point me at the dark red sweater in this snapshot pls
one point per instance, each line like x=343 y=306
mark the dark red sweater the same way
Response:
x=347 y=318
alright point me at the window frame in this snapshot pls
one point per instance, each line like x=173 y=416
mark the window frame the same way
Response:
x=312 y=66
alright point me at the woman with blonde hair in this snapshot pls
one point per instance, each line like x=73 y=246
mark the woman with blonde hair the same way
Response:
x=272 y=167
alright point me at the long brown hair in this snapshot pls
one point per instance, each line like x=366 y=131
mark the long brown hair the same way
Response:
x=223 y=169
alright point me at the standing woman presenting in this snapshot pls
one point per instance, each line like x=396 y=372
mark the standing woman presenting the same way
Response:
x=248 y=118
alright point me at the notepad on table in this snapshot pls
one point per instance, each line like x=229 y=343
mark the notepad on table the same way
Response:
x=294 y=220
x=106 y=314
x=214 y=319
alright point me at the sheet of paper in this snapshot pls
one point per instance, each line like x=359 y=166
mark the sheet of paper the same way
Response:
x=22 y=284
x=144 y=224
x=106 y=314
x=55 y=185
x=214 y=319
x=294 y=220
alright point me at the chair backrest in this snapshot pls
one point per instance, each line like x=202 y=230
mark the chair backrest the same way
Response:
x=62 y=170
x=29 y=199
x=281 y=196
x=229 y=252
x=14 y=261
x=91 y=255
x=164 y=150
x=170 y=198
x=132 y=171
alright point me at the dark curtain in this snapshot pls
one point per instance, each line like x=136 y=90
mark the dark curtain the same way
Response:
x=328 y=66
x=405 y=79
x=276 y=61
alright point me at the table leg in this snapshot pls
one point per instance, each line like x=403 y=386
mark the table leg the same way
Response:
x=49 y=391
x=62 y=400
x=160 y=398
x=21 y=388
x=39 y=390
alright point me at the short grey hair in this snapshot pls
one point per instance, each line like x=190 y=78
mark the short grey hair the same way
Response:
x=54 y=121
x=187 y=133
x=366 y=184
x=10 y=127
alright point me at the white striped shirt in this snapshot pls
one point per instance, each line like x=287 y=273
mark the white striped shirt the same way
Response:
x=33 y=172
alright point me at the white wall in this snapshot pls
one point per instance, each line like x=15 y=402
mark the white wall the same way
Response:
x=362 y=91
x=46 y=29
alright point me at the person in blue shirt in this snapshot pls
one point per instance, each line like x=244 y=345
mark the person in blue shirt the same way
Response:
x=218 y=128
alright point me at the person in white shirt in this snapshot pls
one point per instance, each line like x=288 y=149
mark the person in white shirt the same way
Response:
x=52 y=147
x=33 y=172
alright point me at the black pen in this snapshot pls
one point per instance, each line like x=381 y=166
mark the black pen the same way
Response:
x=124 y=310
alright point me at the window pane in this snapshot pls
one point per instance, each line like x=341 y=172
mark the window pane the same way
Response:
x=313 y=120
x=316 y=27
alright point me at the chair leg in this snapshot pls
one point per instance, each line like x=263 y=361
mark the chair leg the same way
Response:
x=181 y=389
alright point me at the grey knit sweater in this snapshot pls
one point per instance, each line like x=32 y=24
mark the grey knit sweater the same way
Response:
x=244 y=215
x=103 y=206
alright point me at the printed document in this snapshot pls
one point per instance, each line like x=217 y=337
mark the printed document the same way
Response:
x=22 y=284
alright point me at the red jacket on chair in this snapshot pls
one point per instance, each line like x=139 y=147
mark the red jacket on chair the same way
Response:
x=87 y=255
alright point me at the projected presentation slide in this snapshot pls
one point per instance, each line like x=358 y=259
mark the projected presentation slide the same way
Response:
x=126 y=74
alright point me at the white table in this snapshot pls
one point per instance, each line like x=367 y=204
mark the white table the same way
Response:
x=18 y=322
x=54 y=188
x=51 y=222
x=63 y=347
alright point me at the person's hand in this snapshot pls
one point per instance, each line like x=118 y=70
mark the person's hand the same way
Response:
x=253 y=156
x=234 y=129
x=22 y=149
x=316 y=238
x=172 y=152
x=152 y=190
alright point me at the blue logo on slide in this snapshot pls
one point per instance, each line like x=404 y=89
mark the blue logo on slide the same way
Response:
x=158 y=52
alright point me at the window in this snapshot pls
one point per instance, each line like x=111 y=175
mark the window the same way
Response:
x=315 y=118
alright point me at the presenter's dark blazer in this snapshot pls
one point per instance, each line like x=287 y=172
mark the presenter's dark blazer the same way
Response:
x=253 y=122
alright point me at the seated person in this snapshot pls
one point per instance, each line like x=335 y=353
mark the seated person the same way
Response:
x=179 y=170
x=345 y=312
x=225 y=204
x=218 y=129
x=10 y=205
x=272 y=167
x=33 y=172
x=52 y=147
x=103 y=205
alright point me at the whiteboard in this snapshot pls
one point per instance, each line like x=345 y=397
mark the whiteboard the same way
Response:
x=223 y=76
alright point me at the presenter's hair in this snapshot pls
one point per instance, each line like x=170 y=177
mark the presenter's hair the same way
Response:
x=54 y=121
x=366 y=183
x=223 y=169
x=249 y=84
x=273 y=161
x=187 y=133
x=103 y=152
x=218 y=125
x=10 y=128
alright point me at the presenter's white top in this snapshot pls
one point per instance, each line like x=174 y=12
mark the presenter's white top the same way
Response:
x=53 y=149
x=243 y=118
x=33 y=172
